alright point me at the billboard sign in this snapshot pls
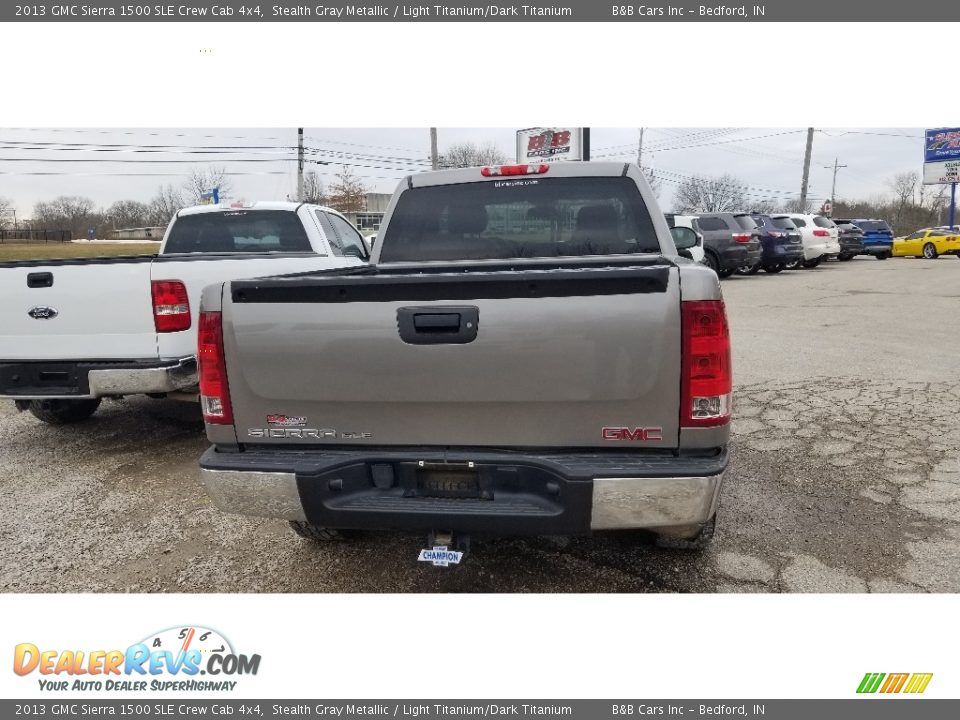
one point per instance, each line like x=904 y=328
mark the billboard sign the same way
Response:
x=941 y=173
x=549 y=144
x=941 y=144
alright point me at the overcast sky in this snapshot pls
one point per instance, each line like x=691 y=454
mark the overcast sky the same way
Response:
x=119 y=164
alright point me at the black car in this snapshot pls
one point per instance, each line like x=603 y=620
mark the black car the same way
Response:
x=781 y=243
x=851 y=240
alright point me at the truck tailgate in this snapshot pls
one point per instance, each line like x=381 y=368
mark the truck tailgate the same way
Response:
x=565 y=357
x=92 y=309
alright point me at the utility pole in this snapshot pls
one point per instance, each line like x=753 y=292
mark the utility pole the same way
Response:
x=434 y=157
x=640 y=149
x=833 y=188
x=806 y=170
x=299 y=164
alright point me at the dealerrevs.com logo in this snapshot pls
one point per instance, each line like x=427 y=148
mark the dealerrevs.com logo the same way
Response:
x=186 y=658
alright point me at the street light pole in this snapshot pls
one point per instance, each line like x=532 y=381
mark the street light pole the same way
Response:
x=833 y=188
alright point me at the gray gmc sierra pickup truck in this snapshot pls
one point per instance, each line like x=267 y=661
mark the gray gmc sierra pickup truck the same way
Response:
x=527 y=354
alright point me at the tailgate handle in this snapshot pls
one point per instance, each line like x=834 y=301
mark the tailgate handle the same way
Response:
x=449 y=325
x=40 y=280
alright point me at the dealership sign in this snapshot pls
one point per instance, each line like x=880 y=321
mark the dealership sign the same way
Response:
x=549 y=144
x=941 y=173
x=941 y=156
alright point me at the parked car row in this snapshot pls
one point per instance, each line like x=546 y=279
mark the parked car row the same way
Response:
x=745 y=243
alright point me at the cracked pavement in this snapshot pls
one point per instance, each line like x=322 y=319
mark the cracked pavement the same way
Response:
x=844 y=477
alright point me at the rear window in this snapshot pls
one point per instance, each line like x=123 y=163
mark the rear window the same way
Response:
x=783 y=223
x=238 y=231
x=530 y=217
x=873 y=226
x=713 y=222
x=746 y=222
x=823 y=222
x=799 y=222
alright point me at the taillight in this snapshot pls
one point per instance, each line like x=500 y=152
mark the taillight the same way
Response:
x=171 y=306
x=497 y=170
x=742 y=237
x=777 y=234
x=821 y=233
x=214 y=392
x=706 y=385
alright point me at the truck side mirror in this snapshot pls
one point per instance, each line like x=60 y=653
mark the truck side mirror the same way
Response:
x=683 y=238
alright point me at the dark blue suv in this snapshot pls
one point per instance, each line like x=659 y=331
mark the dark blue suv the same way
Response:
x=781 y=243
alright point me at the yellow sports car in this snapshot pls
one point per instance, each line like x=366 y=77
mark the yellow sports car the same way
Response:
x=929 y=243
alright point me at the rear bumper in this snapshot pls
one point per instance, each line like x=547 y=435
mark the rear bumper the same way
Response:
x=38 y=380
x=777 y=254
x=739 y=255
x=812 y=251
x=877 y=249
x=522 y=493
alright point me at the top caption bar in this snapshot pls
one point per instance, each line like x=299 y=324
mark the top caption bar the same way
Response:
x=574 y=11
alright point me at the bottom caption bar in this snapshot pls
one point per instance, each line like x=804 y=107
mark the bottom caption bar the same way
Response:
x=874 y=709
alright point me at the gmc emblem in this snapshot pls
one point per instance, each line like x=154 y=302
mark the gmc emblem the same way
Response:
x=641 y=434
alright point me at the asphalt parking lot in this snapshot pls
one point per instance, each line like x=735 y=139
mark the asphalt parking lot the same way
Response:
x=845 y=474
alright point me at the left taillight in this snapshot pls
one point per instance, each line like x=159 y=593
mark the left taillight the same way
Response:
x=821 y=233
x=706 y=384
x=212 y=368
x=171 y=306
x=742 y=237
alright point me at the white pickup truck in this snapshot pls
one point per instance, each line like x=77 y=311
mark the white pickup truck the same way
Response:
x=77 y=330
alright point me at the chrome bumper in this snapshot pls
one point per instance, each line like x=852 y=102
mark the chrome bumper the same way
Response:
x=618 y=503
x=262 y=494
x=622 y=503
x=179 y=375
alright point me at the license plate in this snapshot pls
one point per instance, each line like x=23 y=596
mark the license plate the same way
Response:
x=448 y=484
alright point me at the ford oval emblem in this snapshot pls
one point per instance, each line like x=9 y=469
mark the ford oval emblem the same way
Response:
x=41 y=312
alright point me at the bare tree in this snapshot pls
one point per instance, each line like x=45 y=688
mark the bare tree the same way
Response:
x=701 y=194
x=794 y=205
x=314 y=190
x=201 y=181
x=468 y=154
x=348 y=193
x=67 y=212
x=904 y=186
x=6 y=208
x=164 y=205
x=765 y=206
x=127 y=214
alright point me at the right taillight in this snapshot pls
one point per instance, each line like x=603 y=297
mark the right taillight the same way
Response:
x=821 y=233
x=742 y=237
x=706 y=385
x=212 y=368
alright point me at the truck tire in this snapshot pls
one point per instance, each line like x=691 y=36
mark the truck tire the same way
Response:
x=930 y=251
x=697 y=542
x=320 y=534
x=63 y=412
